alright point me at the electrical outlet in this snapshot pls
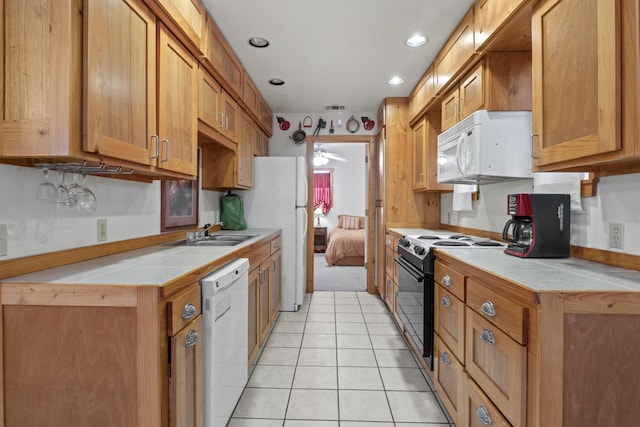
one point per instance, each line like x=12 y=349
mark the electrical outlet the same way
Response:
x=3 y=239
x=102 y=230
x=616 y=235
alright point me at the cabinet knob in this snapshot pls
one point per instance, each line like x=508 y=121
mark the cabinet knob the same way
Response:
x=192 y=338
x=444 y=358
x=488 y=309
x=446 y=301
x=487 y=337
x=189 y=311
x=446 y=280
x=483 y=415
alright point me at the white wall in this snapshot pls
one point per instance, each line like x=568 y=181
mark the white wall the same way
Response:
x=132 y=209
x=616 y=201
x=349 y=179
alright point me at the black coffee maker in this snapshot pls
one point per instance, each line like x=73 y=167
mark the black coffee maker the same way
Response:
x=539 y=227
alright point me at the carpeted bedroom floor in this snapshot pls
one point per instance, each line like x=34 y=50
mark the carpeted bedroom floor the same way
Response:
x=337 y=278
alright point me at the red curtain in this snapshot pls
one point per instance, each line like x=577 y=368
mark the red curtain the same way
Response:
x=322 y=191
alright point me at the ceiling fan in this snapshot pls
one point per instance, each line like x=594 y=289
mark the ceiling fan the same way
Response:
x=322 y=157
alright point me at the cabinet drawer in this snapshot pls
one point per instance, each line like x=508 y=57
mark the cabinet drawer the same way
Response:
x=449 y=378
x=276 y=244
x=182 y=309
x=477 y=410
x=258 y=256
x=503 y=312
x=498 y=364
x=450 y=279
x=449 y=320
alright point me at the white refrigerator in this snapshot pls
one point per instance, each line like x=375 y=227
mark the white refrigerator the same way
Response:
x=279 y=200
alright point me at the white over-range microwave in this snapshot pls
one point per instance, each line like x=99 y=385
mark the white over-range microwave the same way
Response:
x=486 y=147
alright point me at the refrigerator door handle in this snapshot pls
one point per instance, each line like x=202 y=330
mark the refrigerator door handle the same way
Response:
x=306 y=222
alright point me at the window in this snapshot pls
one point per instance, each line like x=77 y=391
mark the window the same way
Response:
x=323 y=190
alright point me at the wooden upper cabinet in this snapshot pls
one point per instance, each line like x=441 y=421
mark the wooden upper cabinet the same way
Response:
x=190 y=16
x=217 y=110
x=265 y=115
x=490 y=15
x=250 y=95
x=456 y=52
x=425 y=153
x=221 y=58
x=40 y=80
x=422 y=94
x=501 y=81
x=577 y=79
x=230 y=115
x=245 y=152
x=177 y=107
x=120 y=95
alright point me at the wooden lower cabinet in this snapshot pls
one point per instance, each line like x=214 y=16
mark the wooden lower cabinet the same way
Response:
x=275 y=284
x=253 y=341
x=476 y=410
x=449 y=378
x=449 y=320
x=186 y=381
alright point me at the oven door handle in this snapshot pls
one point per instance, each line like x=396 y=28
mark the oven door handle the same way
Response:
x=413 y=272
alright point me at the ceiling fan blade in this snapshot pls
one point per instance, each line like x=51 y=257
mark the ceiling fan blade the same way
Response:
x=334 y=157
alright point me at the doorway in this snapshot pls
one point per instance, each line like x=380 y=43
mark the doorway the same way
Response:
x=369 y=189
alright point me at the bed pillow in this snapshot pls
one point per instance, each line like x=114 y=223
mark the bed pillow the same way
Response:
x=350 y=222
x=341 y=221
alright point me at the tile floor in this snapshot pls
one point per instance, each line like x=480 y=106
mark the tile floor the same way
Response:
x=338 y=362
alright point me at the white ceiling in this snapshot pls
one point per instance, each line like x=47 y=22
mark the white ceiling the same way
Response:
x=335 y=51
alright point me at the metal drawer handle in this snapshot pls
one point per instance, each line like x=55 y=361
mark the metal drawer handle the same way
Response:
x=488 y=309
x=446 y=301
x=446 y=280
x=189 y=311
x=487 y=337
x=388 y=252
x=483 y=415
x=192 y=338
x=444 y=358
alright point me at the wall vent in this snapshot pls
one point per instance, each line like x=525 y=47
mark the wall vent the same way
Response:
x=334 y=107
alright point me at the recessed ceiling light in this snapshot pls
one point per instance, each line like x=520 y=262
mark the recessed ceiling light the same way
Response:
x=395 y=81
x=416 y=40
x=258 y=42
x=276 y=82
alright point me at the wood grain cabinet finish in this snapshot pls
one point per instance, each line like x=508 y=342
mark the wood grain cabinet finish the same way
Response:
x=501 y=81
x=422 y=94
x=490 y=15
x=477 y=410
x=584 y=58
x=275 y=284
x=190 y=16
x=449 y=378
x=254 y=289
x=449 y=321
x=425 y=153
x=221 y=59
x=245 y=152
x=41 y=82
x=456 y=52
x=499 y=365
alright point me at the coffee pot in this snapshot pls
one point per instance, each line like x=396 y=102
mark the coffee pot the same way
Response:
x=518 y=231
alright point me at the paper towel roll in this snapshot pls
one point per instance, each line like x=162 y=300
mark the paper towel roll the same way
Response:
x=560 y=183
x=462 y=196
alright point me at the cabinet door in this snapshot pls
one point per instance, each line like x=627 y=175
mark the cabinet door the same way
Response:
x=265 y=115
x=576 y=79
x=264 y=318
x=275 y=280
x=419 y=155
x=220 y=56
x=449 y=378
x=450 y=109
x=120 y=80
x=231 y=115
x=491 y=14
x=208 y=101
x=190 y=16
x=456 y=51
x=250 y=94
x=253 y=314
x=245 y=152
x=41 y=85
x=477 y=410
x=449 y=320
x=186 y=382
x=177 y=106
x=498 y=364
x=422 y=95
x=472 y=91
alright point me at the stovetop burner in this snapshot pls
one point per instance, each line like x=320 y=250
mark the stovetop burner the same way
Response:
x=488 y=243
x=429 y=237
x=450 y=243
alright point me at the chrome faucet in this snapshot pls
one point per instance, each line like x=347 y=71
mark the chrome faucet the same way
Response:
x=200 y=235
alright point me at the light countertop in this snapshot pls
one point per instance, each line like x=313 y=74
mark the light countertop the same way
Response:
x=153 y=265
x=543 y=274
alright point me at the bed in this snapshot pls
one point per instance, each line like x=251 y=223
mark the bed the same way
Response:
x=346 y=242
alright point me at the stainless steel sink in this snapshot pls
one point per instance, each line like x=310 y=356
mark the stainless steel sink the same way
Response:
x=216 y=240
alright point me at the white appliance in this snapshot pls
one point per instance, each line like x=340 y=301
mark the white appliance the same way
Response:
x=486 y=147
x=279 y=200
x=225 y=295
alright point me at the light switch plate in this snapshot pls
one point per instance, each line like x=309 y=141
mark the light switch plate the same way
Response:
x=3 y=239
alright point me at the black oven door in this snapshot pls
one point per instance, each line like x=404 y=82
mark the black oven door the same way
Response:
x=415 y=307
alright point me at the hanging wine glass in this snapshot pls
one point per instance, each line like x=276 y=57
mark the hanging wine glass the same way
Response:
x=87 y=200
x=46 y=189
x=62 y=193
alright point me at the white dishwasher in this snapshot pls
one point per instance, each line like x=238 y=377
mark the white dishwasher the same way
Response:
x=225 y=295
